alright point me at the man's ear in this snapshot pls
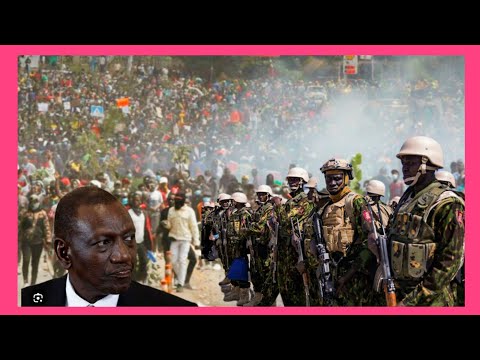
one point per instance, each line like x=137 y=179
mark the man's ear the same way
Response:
x=62 y=249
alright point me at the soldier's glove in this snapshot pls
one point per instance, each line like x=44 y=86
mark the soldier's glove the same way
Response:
x=301 y=267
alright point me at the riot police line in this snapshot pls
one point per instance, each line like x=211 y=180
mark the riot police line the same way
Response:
x=339 y=248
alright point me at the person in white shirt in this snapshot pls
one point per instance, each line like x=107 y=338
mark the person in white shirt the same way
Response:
x=183 y=231
x=143 y=236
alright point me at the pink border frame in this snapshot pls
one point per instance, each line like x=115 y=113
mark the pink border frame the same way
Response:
x=8 y=74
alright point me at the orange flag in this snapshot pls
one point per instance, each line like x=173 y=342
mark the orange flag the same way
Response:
x=123 y=102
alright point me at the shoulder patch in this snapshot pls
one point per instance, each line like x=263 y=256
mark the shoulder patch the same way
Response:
x=459 y=216
x=366 y=216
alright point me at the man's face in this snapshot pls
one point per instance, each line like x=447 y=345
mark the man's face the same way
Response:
x=262 y=197
x=335 y=183
x=410 y=165
x=102 y=250
x=136 y=201
x=294 y=182
x=225 y=203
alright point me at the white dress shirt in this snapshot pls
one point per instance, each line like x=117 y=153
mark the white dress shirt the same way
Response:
x=74 y=300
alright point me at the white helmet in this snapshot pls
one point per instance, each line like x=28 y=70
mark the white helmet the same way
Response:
x=299 y=173
x=376 y=187
x=163 y=179
x=428 y=149
x=264 y=189
x=223 y=196
x=423 y=146
x=312 y=183
x=208 y=204
x=240 y=197
x=446 y=177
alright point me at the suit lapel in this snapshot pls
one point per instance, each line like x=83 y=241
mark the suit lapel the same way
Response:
x=126 y=298
x=56 y=294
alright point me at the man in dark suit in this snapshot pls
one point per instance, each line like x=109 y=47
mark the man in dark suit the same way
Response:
x=94 y=239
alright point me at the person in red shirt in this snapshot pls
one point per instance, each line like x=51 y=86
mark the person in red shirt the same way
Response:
x=397 y=187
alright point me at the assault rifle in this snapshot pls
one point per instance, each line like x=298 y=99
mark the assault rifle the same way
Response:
x=223 y=234
x=250 y=249
x=324 y=276
x=298 y=243
x=381 y=240
x=217 y=234
x=274 y=245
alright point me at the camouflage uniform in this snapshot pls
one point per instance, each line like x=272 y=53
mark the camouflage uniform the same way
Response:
x=237 y=231
x=427 y=245
x=347 y=244
x=290 y=281
x=262 y=275
x=217 y=220
x=237 y=234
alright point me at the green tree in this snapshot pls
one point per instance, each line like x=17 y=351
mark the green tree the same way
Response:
x=113 y=117
x=95 y=157
x=180 y=153
x=355 y=184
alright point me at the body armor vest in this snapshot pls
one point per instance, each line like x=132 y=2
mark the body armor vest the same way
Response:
x=412 y=239
x=337 y=226
x=298 y=208
x=237 y=230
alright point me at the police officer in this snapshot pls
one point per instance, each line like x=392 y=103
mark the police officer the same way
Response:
x=381 y=212
x=380 y=218
x=294 y=274
x=208 y=250
x=238 y=223
x=346 y=241
x=427 y=230
x=261 y=231
x=446 y=177
x=218 y=222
